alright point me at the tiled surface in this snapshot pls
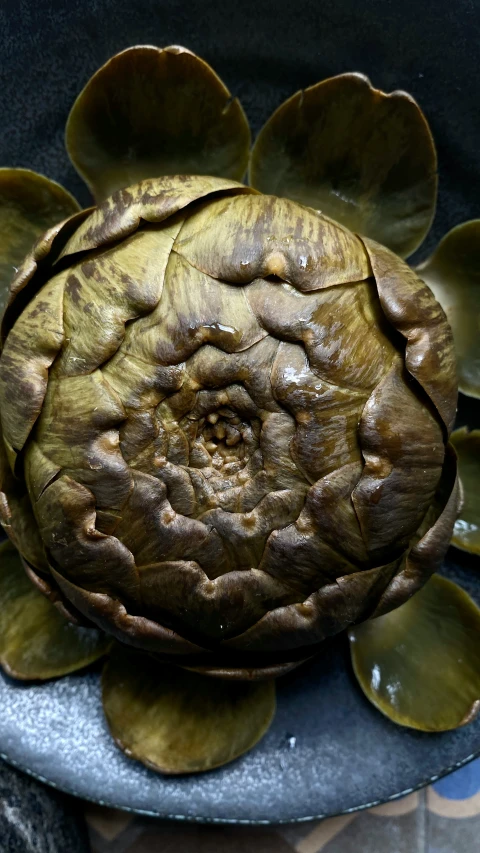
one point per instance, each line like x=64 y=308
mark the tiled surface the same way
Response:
x=444 y=818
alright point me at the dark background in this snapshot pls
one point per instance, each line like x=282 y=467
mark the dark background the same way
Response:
x=264 y=51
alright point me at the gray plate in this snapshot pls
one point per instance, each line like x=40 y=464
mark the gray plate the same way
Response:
x=328 y=750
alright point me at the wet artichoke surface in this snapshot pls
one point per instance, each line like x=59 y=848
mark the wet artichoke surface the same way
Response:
x=419 y=664
x=227 y=418
x=466 y=533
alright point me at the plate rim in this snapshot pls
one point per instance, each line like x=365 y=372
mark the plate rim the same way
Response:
x=200 y=819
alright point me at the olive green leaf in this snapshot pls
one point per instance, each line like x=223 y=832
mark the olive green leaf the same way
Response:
x=29 y=204
x=466 y=533
x=453 y=273
x=36 y=641
x=420 y=664
x=363 y=157
x=149 y=112
x=176 y=721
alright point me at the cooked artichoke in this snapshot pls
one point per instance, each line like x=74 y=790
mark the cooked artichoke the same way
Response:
x=228 y=415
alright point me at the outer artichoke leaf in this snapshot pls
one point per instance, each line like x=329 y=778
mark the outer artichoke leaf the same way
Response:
x=177 y=721
x=149 y=112
x=453 y=273
x=420 y=664
x=361 y=156
x=29 y=204
x=410 y=306
x=259 y=673
x=466 y=533
x=435 y=532
x=36 y=641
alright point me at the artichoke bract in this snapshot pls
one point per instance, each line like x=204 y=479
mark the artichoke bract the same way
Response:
x=225 y=422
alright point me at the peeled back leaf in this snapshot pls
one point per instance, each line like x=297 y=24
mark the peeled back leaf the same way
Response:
x=176 y=721
x=149 y=112
x=36 y=641
x=420 y=664
x=466 y=533
x=29 y=204
x=365 y=158
x=453 y=273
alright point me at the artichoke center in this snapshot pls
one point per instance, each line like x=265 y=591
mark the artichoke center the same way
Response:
x=223 y=440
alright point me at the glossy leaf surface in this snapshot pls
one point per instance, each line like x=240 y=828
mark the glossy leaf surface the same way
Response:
x=29 y=204
x=181 y=722
x=36 y=642
x=363 y=157
x=466 y=533
x=420 y=664
x=149 y=112
x=453 y=273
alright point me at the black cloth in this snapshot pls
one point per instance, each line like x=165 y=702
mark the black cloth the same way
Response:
x=264 y=51
x=37 y=819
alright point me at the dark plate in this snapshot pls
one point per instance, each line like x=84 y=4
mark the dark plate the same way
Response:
x=328 y=750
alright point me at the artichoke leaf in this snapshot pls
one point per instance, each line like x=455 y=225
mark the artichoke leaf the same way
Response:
x=453 y=274
x=29 y=204
x=420 y=664
x=410 y=306
x=466 y=533
x=361 y=156
x=149 y=112
x=177 y=721
x=36 y=641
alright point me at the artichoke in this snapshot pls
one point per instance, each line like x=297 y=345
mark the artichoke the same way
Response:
x=225 y=415
x=206 y=387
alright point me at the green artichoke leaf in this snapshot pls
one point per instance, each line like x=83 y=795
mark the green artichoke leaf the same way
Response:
x=420 y=664
x=176 y=721
x=453 y=274
x=150 y=112
x=29 y=204
x=361 y=156
x=36 y=641
x=466 y=533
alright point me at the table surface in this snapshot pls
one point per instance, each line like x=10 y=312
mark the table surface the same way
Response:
x=444 y=818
